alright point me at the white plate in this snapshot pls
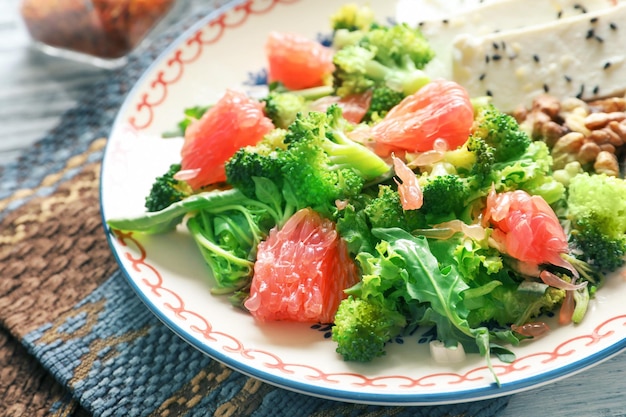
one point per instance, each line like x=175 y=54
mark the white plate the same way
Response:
x=167 y=271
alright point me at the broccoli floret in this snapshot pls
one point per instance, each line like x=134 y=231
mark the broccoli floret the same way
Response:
x=399 y=46
x=484 y=158
x=352 y=17
x=260 y=160
x=393 y=56
x=502 y=132
x=362 y=328
x=283 y=105
x=247 y=163
x=383 y=99
x=167 y=190
x=596 y=208
x=322 y=164
x=530 y=171
x=476 y=158
x=603 y=253
x=444 y=195
x=385 y=211
x=313 y=158
x=282 y=108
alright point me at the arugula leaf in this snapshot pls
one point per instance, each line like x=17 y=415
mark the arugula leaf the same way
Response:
x=441 y=287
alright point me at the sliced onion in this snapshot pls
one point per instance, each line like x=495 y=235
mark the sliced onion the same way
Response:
x=558 y=282
x=441 y=145
x=186 y=174
x=567 y=309
x=411 y=196
x=425 y=158
x=435 y=233
x=473 y=231
x=557 y=260
x=442 y=354
x=534 y=330
x=341 y=204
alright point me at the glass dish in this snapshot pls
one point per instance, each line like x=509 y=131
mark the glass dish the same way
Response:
x=99 y=32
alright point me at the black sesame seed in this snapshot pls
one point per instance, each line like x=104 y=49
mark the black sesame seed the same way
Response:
x=559 y=14
x=503 y=45
x=593 y=20
x=589 y=34
x=482 y=76
x=421 y=23
x=581 y=91
x=613 y=26
x=495 y=46
x=567 y=78
x=546 y=88
x=445 y=21
x=489 y=93
x=580 y=7
x=536 y=58
x=496 y=57
x=607 y=65
x=487 y=59
x=596 y=89
x=599 y=39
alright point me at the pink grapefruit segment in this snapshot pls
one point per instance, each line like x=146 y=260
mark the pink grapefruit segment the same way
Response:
x=301 y=271
x=297 y=61
x=234 y=122
x=441 y=110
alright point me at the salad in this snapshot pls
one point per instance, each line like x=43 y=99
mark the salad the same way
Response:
x=362 y=193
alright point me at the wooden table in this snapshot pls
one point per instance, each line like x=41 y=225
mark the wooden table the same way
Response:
x=36 y=89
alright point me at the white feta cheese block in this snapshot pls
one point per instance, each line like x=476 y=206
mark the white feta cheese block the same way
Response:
x=485 y=18
x=581 y=56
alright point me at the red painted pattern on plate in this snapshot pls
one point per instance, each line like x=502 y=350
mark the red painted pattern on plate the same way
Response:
x=152 y=279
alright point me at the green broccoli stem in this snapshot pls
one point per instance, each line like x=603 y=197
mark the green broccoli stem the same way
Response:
x=581 y=299
x=345 y=37
x=345 y=153
x=312 y=93
x=407 y=81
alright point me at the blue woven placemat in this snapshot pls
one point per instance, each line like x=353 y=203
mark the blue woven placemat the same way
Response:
x=90 y=345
